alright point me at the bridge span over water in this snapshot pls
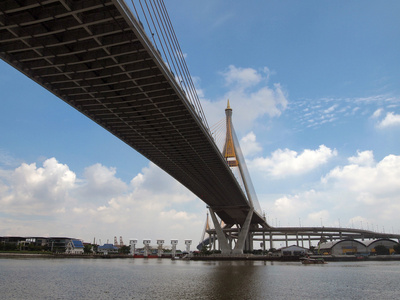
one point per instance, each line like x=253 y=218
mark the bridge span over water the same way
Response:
x=96 y=56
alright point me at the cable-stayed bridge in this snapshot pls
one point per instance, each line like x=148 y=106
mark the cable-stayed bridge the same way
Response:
x=96 y=56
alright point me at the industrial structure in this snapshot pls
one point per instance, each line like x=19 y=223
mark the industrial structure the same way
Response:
x=96 y=56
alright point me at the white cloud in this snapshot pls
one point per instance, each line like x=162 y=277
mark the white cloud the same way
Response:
x=287 y=162
x=390 y=120
x=368 y=181
x=100 y=183
x=241 y=77
x=377 y=113
x=318 y=217
x=330 y=109
x=249 y=94
x=249 y=145
x=360 y=193
x=196 y=81
x=51 y=200
x=343 y=110
x=365 y=158
x=7 y=159
x=36 y=190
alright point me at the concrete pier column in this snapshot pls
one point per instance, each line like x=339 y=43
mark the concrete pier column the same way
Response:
x=263 y=241
x=243 y=234
x=146 y=244
x=188 y=243
x=174 y=243
x=160 y=244
x=214 y=240
x=222 y=240
x=250 y=241
x=132 y=243
x=271 y=241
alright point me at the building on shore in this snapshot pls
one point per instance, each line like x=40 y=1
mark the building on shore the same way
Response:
x=53 y=244
x=389 y=244
x=107 y=249
x=352 y=247
x=74 y=247
x=294 y=251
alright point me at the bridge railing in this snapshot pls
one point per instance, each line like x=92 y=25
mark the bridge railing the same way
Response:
x=155 y=22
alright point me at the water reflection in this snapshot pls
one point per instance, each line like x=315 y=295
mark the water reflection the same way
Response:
x=237 y=280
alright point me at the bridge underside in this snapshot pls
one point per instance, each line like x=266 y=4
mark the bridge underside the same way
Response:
x=94 y=55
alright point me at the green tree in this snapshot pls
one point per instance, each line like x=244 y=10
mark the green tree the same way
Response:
x=381 y=250
x=124 y=249
x=8 y=247
x=87 y=248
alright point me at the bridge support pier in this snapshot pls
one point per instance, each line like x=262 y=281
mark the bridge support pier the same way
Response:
x=243 y=234
x=271 y=241
x=245 y=239
x=222 y=240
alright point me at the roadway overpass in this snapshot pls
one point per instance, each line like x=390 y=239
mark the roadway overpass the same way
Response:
x=276 y=237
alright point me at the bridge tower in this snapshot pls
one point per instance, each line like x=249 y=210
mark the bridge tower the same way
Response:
x=229 y=151
x=234 y=158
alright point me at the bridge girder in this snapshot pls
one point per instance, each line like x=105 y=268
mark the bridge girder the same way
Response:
x=95 y=56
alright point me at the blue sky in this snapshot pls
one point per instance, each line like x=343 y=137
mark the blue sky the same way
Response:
x=314 y=87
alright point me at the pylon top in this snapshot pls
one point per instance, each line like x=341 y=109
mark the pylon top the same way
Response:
x=228 y=106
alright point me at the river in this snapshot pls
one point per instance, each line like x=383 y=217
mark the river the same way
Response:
x=48 y=278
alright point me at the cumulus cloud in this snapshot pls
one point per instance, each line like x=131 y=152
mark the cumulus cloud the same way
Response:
x=287 y=162
x=51 y=200
x=318 y=217
x=302 y=209
x=367 y=180
x=363 y=158
x=249 y=93
x=390 y=120
x=361 y=192
x=249 y=145
x=36 y=190
x=99 y=183
x=241 y=77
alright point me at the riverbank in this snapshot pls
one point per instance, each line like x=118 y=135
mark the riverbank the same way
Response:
x=331 y=258
x=213 y=257
x=58 y=255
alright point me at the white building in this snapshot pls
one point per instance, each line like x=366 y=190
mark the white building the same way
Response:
x=293 y=251
x=74 y=247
